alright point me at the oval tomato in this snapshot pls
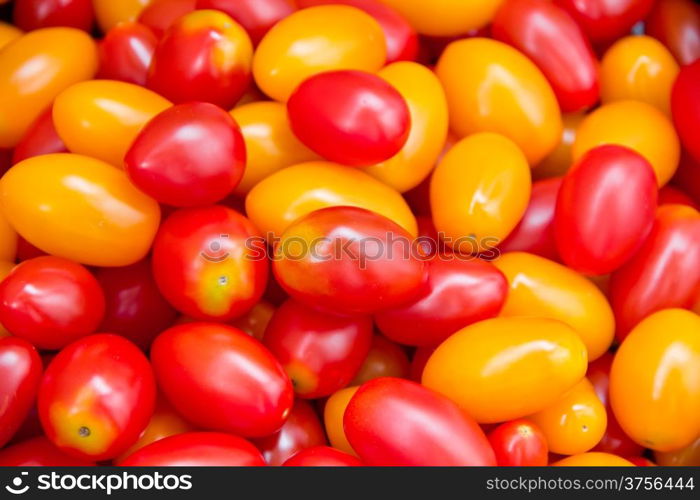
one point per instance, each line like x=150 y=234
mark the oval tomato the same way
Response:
x=256 y=16
x=41 y=139
x=34 y=14
x=255 y=322
x=685 y=105
x=161 y=15
x=593 y=459
x=333 y=414
x=558 y=162
x=519 y=443
x=684 y=457
x=385 y=359
x=110 y=13
x=322 y=456
x=126 y=52
x=38 y=452
x=676 y=23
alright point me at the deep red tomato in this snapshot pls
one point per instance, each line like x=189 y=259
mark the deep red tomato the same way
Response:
x=256 y=401
x=350 y=117
x=302 y=430
x=420 y=359
x=34 y=14
x=96 y=397
x=669 y=195
x=161 y=15
x=687 y=177
x=459 y=292
x=38 y=452
x=20 y=374
x=685 y=106
x=676 y=23
x=207 y=265
x=135 y=307
x=640 y=461
x=519 y=443
x=322 y=456
x=320 y=352
x=395 y=422
x=51 y=301
x=40 y=139
x=126 y=52
x=27 y=251
x=256 y=16
x=605 y=209
x=197 y=449
x=555 y=43
x=385 y=359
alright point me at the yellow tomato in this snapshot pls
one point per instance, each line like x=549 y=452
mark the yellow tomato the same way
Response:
x=79 y=208
x=429 y=122
x=311 y=41
x=479 y=192
x=541 y=287
x=636 y=125
x=507 y=368
x=558 y=162
x=333 y=414
x=34 y=69
x=594 y=459
x=655 y=381
x=8 y=33
x=491 y=87
x=685 y=457
x=270 y=143
x=101 y=118
x=294 y=192
x=575 y=422
x=639 y=68
x=109 y=13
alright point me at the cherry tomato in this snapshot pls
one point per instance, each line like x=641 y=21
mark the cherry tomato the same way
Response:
x=110 y=13
x=685 y=104
x=558 y=162
x=322 y=456
x=9 y=241
x=255 y=406
x=161 y=15
x=420 y=359
x=256 y=16
x=333 y=414
x=96 y=397
x=676 y=23
x=669 y=195
x=688 y=456
x=40 y=139
x=593 y=459
x=255 y=322
x=8 y=33
x=688 y=176
x=197 y=449
x=38 y=452
x=20 y=374
x=519 y=443
x=35 y=14
x=385 y=359
x=126 y=52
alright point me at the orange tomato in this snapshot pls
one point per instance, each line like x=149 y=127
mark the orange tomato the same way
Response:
x=8 y=33
x=594 y=459
x=558 y=162
x=255 y=322
x=333 y=419
x=109 y=13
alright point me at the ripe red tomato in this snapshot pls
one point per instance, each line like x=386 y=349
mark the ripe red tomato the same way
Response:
x=350 y=117
x=51 y=301
x=35 y=14
x=519 y=443
x=676 y=23
x=256 y=16
x=96 y=397
x=420 y=359
x=385 y=359
x=395 y=422
x=685 y=106
x=605 y=209
x=161 y=15
x=669 y=195
x=191 y=361
x=40 y=139
x=320 y=352
x=126 y=53
x=322 y=456
x=166 y=160
x=38 y=452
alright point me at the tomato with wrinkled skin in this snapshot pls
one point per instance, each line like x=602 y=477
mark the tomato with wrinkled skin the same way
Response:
x=38 y=452
x=685 y=106
x=385 y=359
x=676 y=23
x=8 y=33
x=688 y=456
x=256 y=405
x=593 y=459
x=161 y=15
x=519 y=443
x=492 y=87
x=96 y=397
x=84 y=210
x=558 y=162
x=40 y=139
x=126 y=52
x=322 y=456
x=35 y=14
x=333 y=414
x=110 y=13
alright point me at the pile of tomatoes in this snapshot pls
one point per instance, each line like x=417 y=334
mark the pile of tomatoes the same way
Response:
x=350 y=232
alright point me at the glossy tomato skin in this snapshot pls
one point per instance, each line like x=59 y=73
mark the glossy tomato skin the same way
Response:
x=255 y=406
x=321 y=353
x=256 y=16
x=30 y=310
x=35 y=14
x=161 y=15
x=41 y=139
x=385 y=359
x=322 y=456
x=197 y=449
x=96 y=397
x=676 y=23
x=350 y=117
x=166 y=162
x=109 y=13
x=39 y=452
x=519 y=443
x=126 y=52
x=605 y=209
x=384 y=412
x=685 y=106
x=20 y=375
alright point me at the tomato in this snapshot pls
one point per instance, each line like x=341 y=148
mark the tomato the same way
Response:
x=96 y=397
x=292 y=193
x=420 y=359
x=204 y=56
x=38 y=452
x=333 y=414
x=684 y=457
x=593 y=459
x=207 y=263
x=558 y=162
x=636 y=125
x=126 y=52
x=135 y=308
x=322 y=456
x=481 y=367
x=385 y=359
x=492 y=87
x=540 y=287
x=311 y=41
x=197 y=449
x=676 y=23
x=348 y=260
x=655 y=381
x=34 y=70
x=638 y=68
x=101 y=118
x=385 y=423
x=664 y=273
x=83 y=209
x=688 y=176
x=669 y=195
x=256 y=16
x=302 y=430
x=255 y=406
x=35 y=14
x=110 y=13
x=40 y=139
x=255 y=322
x=161 y=15
x=519 y=443
x=321 y=353
x=350 y=117
x=8 y=33
x=685 y=104
x=20 y=374
x=605 y=209
x=9 y=240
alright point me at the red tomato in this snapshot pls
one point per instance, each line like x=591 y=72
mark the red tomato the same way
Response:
x=38 y=452
x=641 y=461
x=555 y=43
x=27 y=251
x=395 y=422
x=301 y=431
x=96 y=397
x=322 y=456
x=685 y=106
x=40 y=139
x=161 y=15
x=676 y=23
x=51 y=301
x=126 y=52
x=459 y=292
x=420 y=359
x=519 y=443
x=320 y=352
x=20 y=374
x=197 y=449
x=350 y=117
x=205 y=264
x=605 y=209
x=167 y=162
x=256 y=16
x=385 y=359
x=669 y=195
x=135 y=308
x=687 y=176
x=192 y=360
x=34 y=14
